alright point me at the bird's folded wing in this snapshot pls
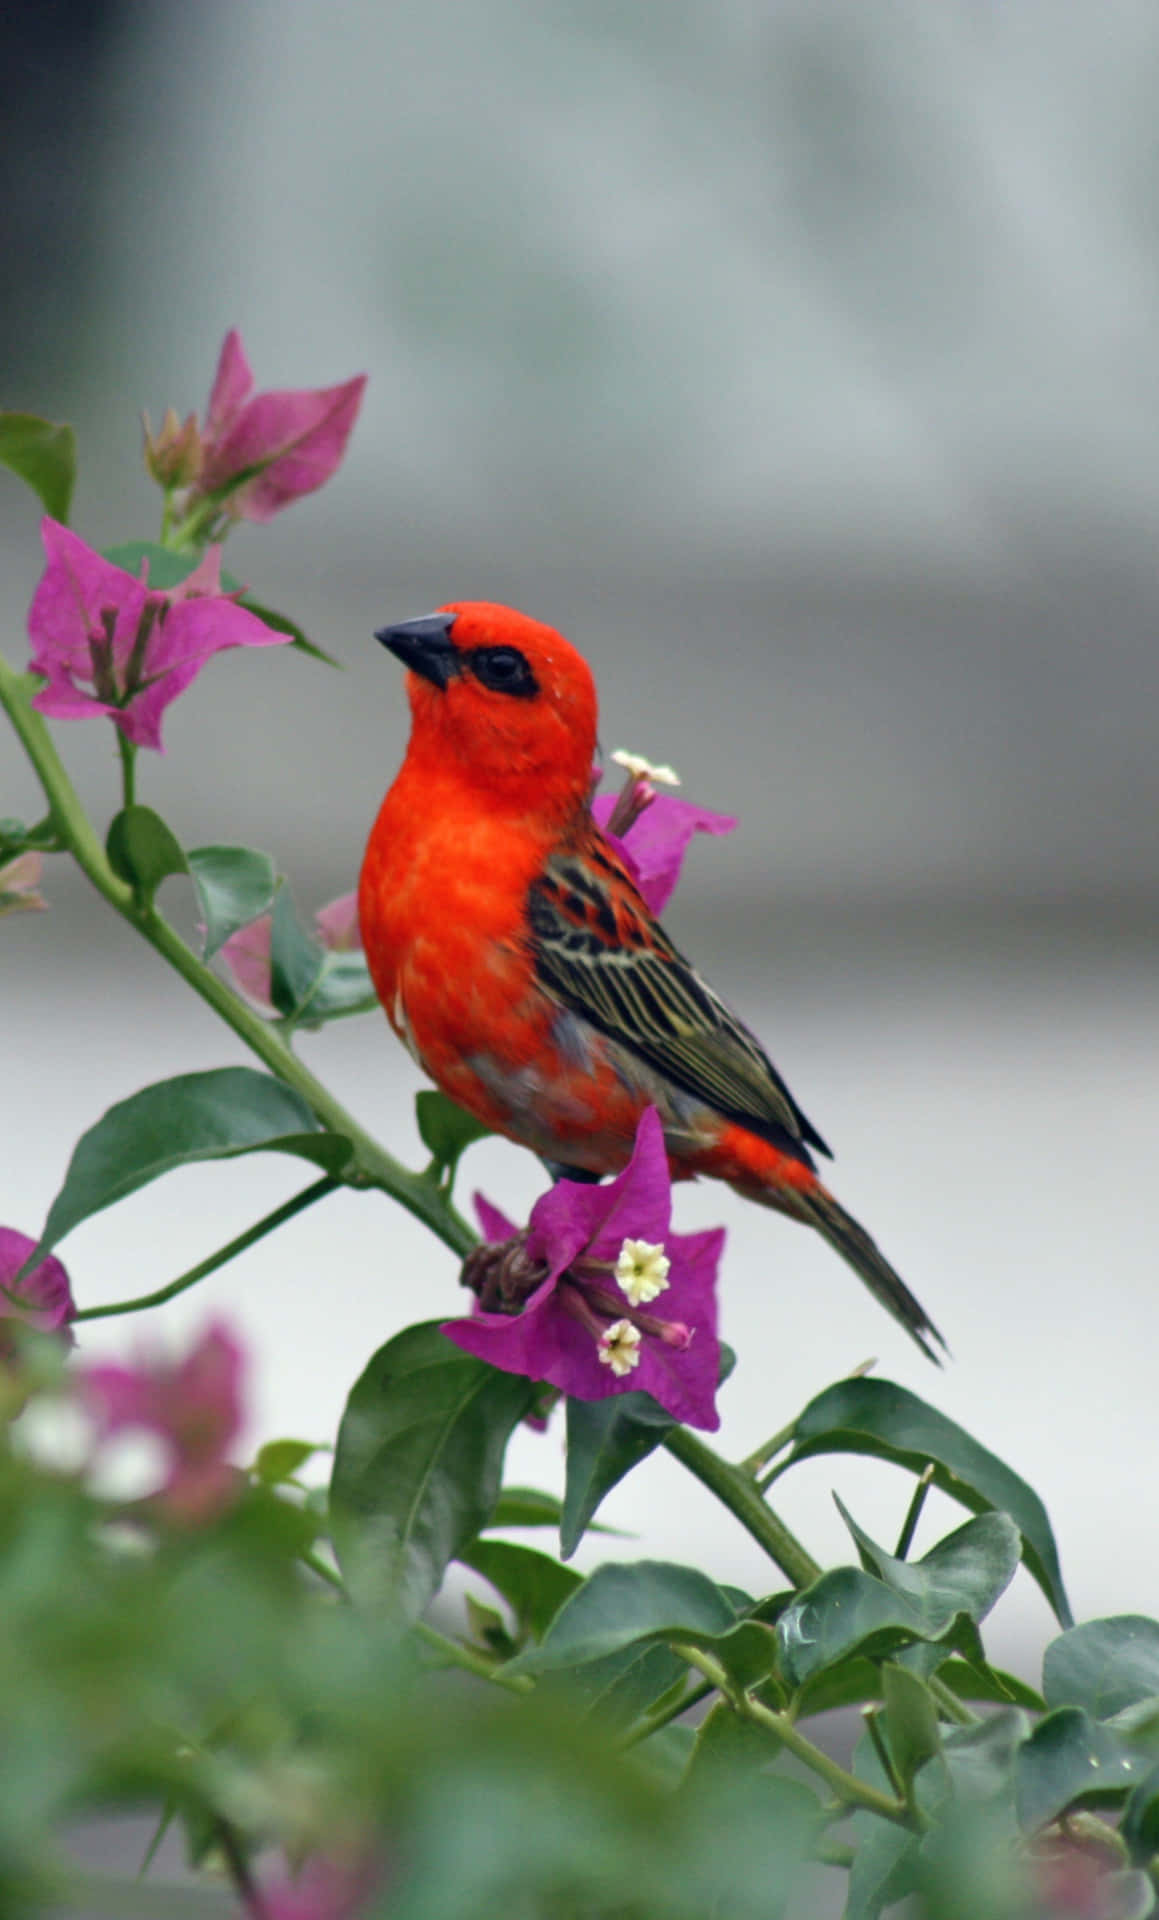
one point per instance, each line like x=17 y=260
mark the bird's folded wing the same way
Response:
x=599 y=951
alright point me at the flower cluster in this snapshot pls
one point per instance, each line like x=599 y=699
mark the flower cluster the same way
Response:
x=652 y=831
x=256 y=453
x=107 y=642
x=41 y=1298
x=193 y=1405
x=597 y=1295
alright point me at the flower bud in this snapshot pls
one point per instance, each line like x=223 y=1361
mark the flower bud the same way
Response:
x=173 y=454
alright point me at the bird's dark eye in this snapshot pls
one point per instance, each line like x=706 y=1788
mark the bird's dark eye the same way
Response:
x=504 y=670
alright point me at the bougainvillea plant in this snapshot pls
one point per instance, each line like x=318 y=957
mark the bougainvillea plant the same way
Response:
x=274 y=1665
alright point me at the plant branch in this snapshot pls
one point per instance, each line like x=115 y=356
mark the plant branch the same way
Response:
x=267 y=1224
x=851 y=1791
x=735 y=1488
x=371 y=1165
x=453 y=1653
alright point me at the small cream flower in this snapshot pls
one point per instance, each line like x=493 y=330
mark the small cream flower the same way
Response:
x=642 y=1270
x=641 y=769
x=619 y=1347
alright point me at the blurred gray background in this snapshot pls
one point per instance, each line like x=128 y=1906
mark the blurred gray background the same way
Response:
x=799 y=361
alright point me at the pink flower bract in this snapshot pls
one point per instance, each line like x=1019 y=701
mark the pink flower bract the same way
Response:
x=263 y=451
x=193 y=1405
x=654 y=846
x=43 y=1298
x=109 y=643
x=576 y=1233
x=247 y=952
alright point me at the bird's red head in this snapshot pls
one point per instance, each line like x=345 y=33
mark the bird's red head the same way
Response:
x=499 y=699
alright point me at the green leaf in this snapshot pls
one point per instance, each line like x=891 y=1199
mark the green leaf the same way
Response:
x=296 y=958
x=726 y=1742
x=344 y=986
x=620 y=1606
x=989 y=1684
x=279 y=1460
x=197 y=1116
x=878 y=1418
x=525 y=1507
x=142 y=851
x=166 y=568
x=911 y=1721
x=43 y=454
x=1071 y=1759
x=1104 y=1665
x=418 y=1463
x=533 y=1584
x=1139 y=1827
x=445 y=1129
x=624 y=1687
x=233 y=885
x=605 y=1440
x=885 y=1860
x=848 y=1611
x=965 y=1573
x=281 y=623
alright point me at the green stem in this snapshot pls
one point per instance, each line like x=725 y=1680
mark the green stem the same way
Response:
x=371 y=1165
x=324 y=1571
x=753 y=1462
x=128 y=753
x=258 y=1231
x=735 y=1488
x=454 y=1654
x=645 y=1728
x=851 y=1791
x=909 y=1525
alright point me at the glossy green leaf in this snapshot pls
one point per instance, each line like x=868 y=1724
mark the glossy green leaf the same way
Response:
x=418 y=1464
x=1104 y=1665
x=878 y=1418
x=619 y=1606
x=525 y=1507
x=296 y=958
x=166 y=568
x=989 y=1684
x=281 y=623
x=533 y=1584
x=197 y=1116
x=605 y=1440
x=727 y=1741
x=343 y=987
x=1072 y=1759
x=445 y=1129
x=43 y=455
x=1139 y=1827
x=234 y=885
x=964 y=1573
x=142 y=851
x=911 y=1721
x=281 y=1460
x=849 y=1611
x=627 y=1686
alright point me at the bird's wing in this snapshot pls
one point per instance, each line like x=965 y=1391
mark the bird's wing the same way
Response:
x=599 y=951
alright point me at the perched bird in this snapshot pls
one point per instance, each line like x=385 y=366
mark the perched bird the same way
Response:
x=516 y=959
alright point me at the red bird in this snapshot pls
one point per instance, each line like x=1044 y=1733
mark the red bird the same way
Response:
x=518 y=962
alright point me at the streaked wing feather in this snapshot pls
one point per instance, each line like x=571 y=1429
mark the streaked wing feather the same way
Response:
x=599 y=951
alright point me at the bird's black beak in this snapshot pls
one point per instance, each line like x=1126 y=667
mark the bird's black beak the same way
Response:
x=424 y=646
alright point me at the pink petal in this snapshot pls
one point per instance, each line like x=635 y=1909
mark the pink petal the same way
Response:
x=338 y=926
x=232 y=385
x=43 y=1297
x=297 y=438
x=496 y=1226
x=656 y=843
x=247 y=955
x=574 y=1215
x=74 y=590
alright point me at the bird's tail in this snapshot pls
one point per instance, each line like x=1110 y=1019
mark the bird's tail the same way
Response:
x=869 y=1263
x=763 y=1173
